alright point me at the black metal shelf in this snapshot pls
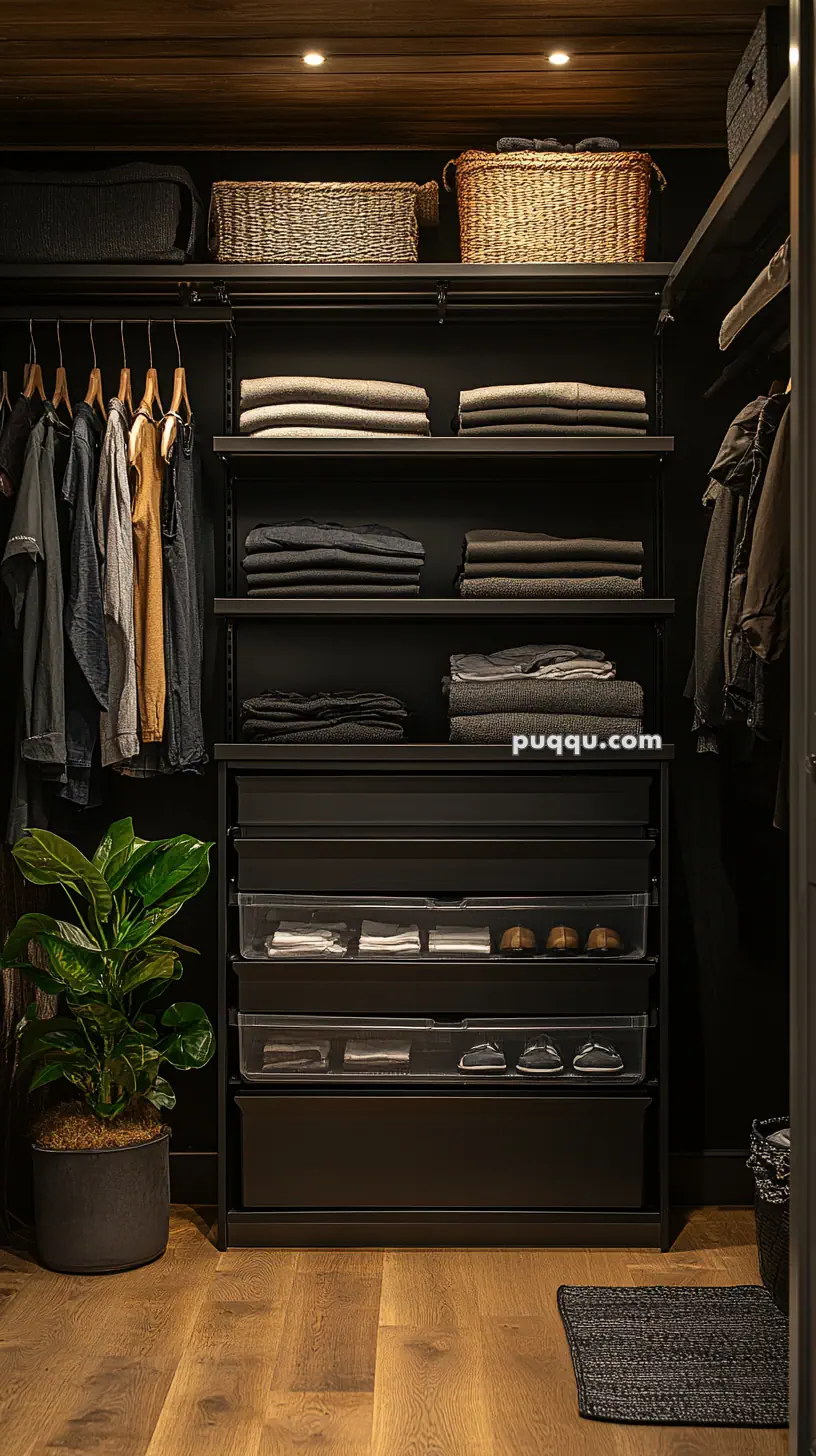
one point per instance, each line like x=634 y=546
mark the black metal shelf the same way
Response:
x=437 y=289
x=418 y=757
x=448 y=447
x=754 y=187
x=413 y=609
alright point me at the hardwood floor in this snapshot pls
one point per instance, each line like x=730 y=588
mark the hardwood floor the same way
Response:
x=345 y=1353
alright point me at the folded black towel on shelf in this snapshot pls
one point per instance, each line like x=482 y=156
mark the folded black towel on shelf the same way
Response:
x=551 y=586
x=385 y=590
x=492 y=544
x=280 y=700
x=501 y=727
x=288 y=717
x=279 y=389
x=343 y=733
x=332 y=417
x=305 y=534
x=606 y=698
x=555 y=394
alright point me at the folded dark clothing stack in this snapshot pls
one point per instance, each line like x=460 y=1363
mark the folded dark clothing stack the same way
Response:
x=284 y=717
x=539 y=690
x=552 y=409
x=311 y=405
x=324 y=559
x=501 y=563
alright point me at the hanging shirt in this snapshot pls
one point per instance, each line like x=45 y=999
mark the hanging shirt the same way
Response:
x=32 y=570
x=119 y=726
x=86 y=648
x=182 y=516
x=148 y=468
x=14 y=441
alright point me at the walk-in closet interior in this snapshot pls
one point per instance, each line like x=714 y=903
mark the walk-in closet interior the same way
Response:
x=476 y=614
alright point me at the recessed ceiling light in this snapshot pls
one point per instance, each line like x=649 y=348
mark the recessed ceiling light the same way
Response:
x=314 y=58
x=558 y=58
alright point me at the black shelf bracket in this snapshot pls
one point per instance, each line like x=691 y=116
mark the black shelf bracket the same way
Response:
x=442 y=300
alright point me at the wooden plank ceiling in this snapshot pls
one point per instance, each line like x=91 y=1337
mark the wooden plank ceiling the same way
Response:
x=421 y=73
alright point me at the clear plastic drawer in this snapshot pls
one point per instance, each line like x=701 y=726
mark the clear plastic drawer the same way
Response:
x=336 y=928
x=555 y=1051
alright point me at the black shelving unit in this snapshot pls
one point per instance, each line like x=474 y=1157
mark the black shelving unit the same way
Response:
x=300 y=819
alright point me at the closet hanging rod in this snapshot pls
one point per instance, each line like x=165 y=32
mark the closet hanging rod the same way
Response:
x=15 y=314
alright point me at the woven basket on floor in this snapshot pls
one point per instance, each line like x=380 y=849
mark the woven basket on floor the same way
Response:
x=553 y=207
x=320 y=222
x=770 y=1166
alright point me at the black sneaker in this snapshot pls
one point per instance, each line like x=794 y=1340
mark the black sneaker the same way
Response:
x=540 y=1058
x=486 y=1056
x=597 y=1056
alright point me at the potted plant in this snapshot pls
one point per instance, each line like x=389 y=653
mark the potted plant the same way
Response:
x=101 y=1164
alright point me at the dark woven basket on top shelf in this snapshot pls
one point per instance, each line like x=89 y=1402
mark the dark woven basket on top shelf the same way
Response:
x=553 y=207
x=320 y=222
x=770 y=1166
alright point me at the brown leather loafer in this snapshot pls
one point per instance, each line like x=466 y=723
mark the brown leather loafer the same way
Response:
x=562 y=940
x=604 y=941
x=518 y=940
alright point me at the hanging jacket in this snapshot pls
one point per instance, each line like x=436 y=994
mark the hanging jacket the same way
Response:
x=765 y=617
x=119 y=726
x=32 y=571
x=148 y=468
x=183 y=598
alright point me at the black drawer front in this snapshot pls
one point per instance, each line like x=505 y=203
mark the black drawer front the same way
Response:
x=450 y=1151
x=514 y=988
x=442 y=866
x=427 y=800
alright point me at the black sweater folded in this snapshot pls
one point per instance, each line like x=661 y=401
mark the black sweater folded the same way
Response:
x=332 y=717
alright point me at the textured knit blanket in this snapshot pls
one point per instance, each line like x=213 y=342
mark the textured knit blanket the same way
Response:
x=553 y=586
x=607 y=698
x=501 y=727
x=558 y=395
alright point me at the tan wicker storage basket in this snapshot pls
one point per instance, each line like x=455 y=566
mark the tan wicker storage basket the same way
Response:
x=320 y=222
x=553 y=207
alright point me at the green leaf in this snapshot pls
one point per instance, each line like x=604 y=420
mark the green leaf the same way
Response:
x=133 y=1063
x=46 y=859
x=116 y=843
x=192 y=1040
x=149 y=968
x=166 y=942
x=41 y=978
x=179 y=859
x=79 y=969
x=15 y=950
x=141 y=927
x=146 y=1027
x=142 y=853
x=107 y=1110
x=48 y=1073
x=161 y=1094
x=109 y=1019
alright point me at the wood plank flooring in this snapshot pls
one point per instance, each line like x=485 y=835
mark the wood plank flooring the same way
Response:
x=342 y=1353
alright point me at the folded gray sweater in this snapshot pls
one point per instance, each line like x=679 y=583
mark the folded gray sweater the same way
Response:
x=320 y=558
x=551 y=586
x=500 y=727
x=289 y=535
x=613 y=697
x=333 y=416
x=540 y=415
x=320 y=432
x=493 y=544
x=385 y=589
x=342 y=733
x=553 y=395
x=318 y=389
x=332 y=576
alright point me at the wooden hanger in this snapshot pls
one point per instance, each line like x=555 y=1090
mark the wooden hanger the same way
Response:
x=33 y=377
x=151 y=394
x=61 y=395
x=125 y=395
x=95 y=395
x=180 y=396
x=4 y=397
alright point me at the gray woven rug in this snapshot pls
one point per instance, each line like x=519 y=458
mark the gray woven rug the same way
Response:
x=678 y=1357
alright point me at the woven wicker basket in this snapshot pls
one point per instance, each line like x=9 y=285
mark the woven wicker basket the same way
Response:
x=320 y=222
x=553 y=207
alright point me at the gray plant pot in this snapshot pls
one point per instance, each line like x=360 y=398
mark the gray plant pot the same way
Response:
x=97 y=1212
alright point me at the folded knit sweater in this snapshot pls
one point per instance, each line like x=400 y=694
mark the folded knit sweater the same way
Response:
x=318 y=389
x=553 y=395
x=606 y=698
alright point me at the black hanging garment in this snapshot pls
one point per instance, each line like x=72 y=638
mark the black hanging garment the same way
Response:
x=86 y=643
x=183 y=603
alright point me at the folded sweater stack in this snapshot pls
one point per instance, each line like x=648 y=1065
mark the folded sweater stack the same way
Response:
x=281 y=717
x=552 y=409
x=503 y=563
x=311 y=405
x=324 y=559
x=539 y=690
